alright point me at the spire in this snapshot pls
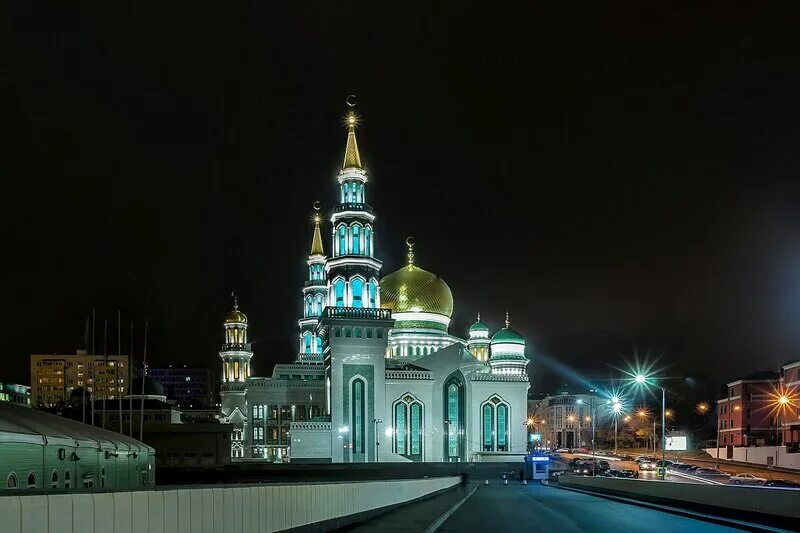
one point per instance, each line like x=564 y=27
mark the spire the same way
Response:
x=410 y=244
x=352 y=159
x=508 y=322
x=316 y=241
x=479 y=317
x=235 y=300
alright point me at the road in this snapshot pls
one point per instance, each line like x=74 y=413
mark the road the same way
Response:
x=535 y=507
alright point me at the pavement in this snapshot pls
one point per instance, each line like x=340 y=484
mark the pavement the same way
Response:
x=533 y=507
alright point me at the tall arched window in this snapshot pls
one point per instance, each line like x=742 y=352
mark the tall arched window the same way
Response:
x=319 y=304
x=367 y=241
x=11 y=481
x=319 y=344
x=236 y=369
x=358 y=418
x=67 y=479
x=54 y=480
x=487 y=421
x=502 y=428
x=415 y=430
x=454 y=418
x=338 y=293
x=373 y=293
x=400 y=428
x=357 y=288
x=31 y=480
x=309 y=309
x=307 y=342
x=342 y=240
x=356 y=239
x=361 y=193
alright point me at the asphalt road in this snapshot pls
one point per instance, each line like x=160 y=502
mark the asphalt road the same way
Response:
x=535 y=507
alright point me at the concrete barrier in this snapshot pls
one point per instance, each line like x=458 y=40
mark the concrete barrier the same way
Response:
x=733 y=500
x=206 y=509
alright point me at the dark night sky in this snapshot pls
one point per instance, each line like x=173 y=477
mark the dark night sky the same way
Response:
x=615 y=179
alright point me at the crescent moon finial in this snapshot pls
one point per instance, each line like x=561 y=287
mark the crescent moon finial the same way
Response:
x=410 y=244
x=235 y=299
x=350 y=100
x=316 y=205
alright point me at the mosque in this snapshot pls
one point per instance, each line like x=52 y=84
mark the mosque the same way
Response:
x=378 y=375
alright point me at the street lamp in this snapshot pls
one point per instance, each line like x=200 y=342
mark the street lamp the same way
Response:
x=376 y=421
x=616 y=407
x=642 y=379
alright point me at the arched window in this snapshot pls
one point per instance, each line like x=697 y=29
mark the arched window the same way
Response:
x=415 y=440
x=400 y=428
x=487 y=421
x=54 y=480
x=356 y=239
x=357 y=288
x=236 y=369
x=338 y=293
x=342 y=240
x=103 y=476
x=367 y=241
x=373 y=293
x=453 y=419
x=67 y=479
x=31 y=480
x=319 y=304
x=502 y=428
x=11 y=481
x=361 y=193
x=307 y=342
x=358 y=416
x=319 y=344
x=309 y=309
x=227 y=371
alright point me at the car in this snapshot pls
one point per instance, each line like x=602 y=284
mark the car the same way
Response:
x=625 y=457
x=675 y=466
x=628 y=474
x=562 y=450
x=647 y=465
x=782 y=483
x=711 y=473
x=611 y=473
x=746 y=479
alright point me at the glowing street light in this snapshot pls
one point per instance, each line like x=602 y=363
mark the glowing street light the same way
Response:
x=668 y=413
x=702 y=408
x=640 y=378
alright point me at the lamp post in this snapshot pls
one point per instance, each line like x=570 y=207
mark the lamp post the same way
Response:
x=376 y=421
x=642 y=379
x=616 y=407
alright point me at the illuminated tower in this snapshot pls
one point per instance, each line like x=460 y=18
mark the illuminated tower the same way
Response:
x=236 y=355
x=315 y=292
x=478 y=342
x=353 y=270
x=508 y=352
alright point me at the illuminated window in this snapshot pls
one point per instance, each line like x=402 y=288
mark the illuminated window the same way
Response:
x=357 y=409
x=319 y=344
x=367 y=241
x=338 y=292
x=309 y=311
x=236 y=369
x=488 y=429
x=227 y=371
x=307 y=342
x=319 y=304
x=357 y=288
x=356 y=239
x=342 y=240
x=372 y=294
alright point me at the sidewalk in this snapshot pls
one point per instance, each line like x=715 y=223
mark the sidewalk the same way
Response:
x=415 y=516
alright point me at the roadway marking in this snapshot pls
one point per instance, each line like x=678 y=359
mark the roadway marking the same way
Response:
x=447 y=514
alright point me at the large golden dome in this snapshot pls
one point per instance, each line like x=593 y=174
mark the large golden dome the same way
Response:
x=416 y=290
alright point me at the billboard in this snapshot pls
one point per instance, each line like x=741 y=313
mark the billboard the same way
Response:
x=676 y=444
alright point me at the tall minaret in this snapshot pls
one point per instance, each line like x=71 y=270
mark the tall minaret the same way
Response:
x=235 y=354
x=352 y=270
x=315 y=293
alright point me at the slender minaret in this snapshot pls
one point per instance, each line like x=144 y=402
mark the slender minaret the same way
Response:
x=315 y=293
x=353 y=271
x=236 y=355
x=478 y=342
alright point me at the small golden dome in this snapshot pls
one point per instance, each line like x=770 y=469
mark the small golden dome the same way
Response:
x=236 y=317
x=414 y=289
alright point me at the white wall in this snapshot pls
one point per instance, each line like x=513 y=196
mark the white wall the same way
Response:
x=759 y=455
x=311 y=440
x=225 y=509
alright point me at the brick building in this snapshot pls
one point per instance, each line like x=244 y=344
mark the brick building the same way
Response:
x=746 y=416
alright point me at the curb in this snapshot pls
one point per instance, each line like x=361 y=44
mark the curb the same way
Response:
x=436 y=524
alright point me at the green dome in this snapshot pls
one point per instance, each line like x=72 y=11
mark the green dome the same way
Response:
x=416 y=290
x=478 y=326
x=508 y=336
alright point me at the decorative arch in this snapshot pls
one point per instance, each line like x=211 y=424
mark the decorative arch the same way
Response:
x=67 y=479
x=11 y=481
x=355 y=238
x=54 y=480
x=341 y=240
x=357 y=284
x=358 y=418
x=495 y=427
x=31 y=480
x=338 y=292
x=408 y=419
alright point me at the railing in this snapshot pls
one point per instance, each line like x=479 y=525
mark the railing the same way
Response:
x=351 y=206
x=234 y=347
x=370 y=313
x=486 y=376
x=409 y=374
x=310 y=425
x=315 y=282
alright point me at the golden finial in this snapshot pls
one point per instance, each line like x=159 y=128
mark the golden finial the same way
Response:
x=352 y=159
x=316 y=240
x=410 y=244
x=508 y=322
x=235 y=300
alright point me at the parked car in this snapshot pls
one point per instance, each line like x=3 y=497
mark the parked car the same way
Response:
x=781 y=483
x=747 y=479
x=628 y=474
x=611 y=473
x=562 y=450
x=711 y=473
x=625 y=457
